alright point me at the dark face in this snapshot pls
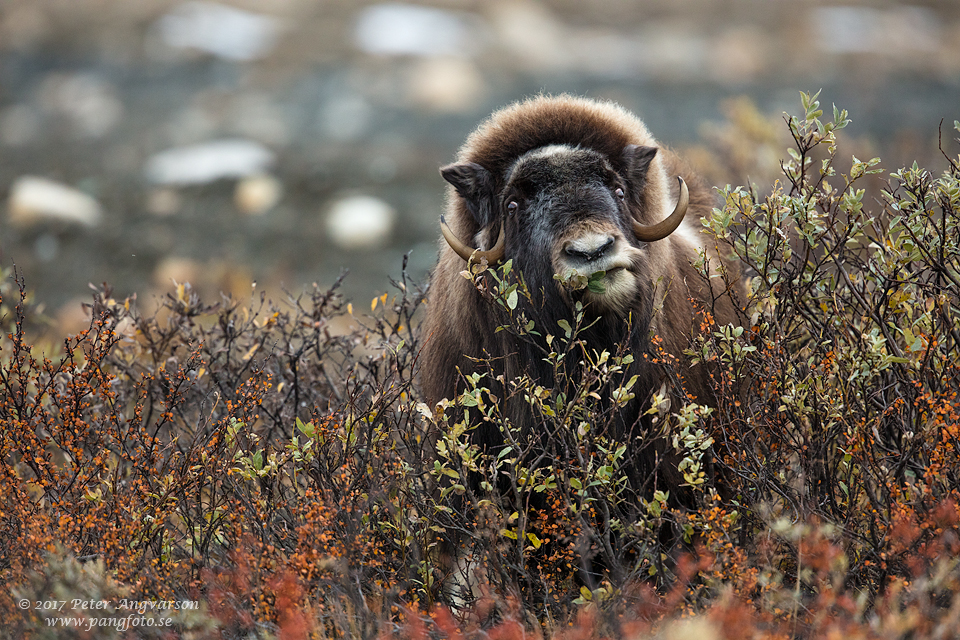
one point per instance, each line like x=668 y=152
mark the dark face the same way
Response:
x=566 y=211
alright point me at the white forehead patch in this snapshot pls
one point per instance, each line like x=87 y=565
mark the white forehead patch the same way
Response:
x=548 y=152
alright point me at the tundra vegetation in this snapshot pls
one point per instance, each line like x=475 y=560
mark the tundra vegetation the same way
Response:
x=290 y=479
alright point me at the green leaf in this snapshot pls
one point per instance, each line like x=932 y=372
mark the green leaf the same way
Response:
x=595 y=283
x=309 y=429
x=512 y=298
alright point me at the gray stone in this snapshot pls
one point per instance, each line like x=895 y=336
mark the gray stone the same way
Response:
x=34 y=199
x=209 y=161
x=360 y=222
x=226 y=32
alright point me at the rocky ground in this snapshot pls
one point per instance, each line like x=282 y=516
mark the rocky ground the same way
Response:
x=221 y=143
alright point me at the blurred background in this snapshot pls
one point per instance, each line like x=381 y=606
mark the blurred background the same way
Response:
x=149 y=142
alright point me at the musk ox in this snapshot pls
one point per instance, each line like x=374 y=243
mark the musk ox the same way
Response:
x=565 y=183
x=560 y=185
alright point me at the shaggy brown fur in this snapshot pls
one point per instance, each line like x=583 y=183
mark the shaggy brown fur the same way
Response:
x=460 y=325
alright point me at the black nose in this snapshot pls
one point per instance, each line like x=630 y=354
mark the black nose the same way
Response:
x=589 y=253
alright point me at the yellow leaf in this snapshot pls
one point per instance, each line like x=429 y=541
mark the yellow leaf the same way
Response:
x=270 y=320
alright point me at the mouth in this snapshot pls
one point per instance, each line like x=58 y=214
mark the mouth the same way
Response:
x=610 y=290
x=607 y=282
x=602 y=280
x=593 y=280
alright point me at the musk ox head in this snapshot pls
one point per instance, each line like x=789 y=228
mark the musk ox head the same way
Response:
x=569 y=210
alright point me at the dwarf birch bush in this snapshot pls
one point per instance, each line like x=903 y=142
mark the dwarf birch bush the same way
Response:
x=852 y=357
x=287 y=476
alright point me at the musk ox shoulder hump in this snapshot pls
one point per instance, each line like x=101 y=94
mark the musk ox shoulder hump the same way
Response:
x=543 y=121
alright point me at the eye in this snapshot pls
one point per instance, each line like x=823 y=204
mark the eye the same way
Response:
x=619 y=193
x=512 y=207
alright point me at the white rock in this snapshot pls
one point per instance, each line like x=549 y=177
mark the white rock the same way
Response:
x=404 y=29
x=227 y=32
x=257 y=194
x=360 y=222
x=33 y=198
x=209 y=161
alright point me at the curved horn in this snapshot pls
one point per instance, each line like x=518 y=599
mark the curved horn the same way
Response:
x=469 y=254
x=653 y=232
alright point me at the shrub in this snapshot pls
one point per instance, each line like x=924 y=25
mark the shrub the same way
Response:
x=848 y=428
x=246 y=456
x=274 y=466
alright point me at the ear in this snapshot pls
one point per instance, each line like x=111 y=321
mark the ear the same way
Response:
x=475 y=186
x=636 y=163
